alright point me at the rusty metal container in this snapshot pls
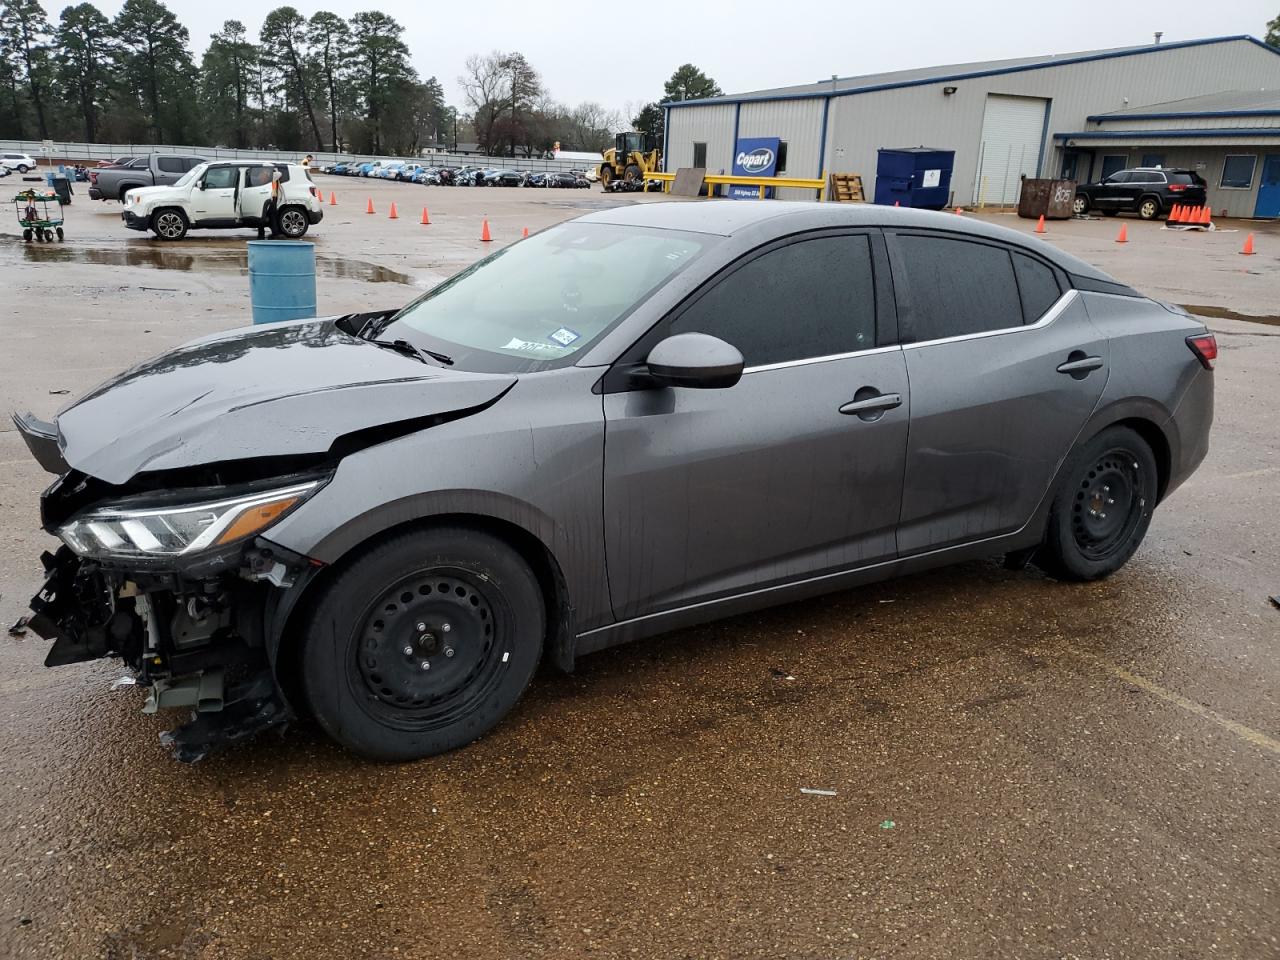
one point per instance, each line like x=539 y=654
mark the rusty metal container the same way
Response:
x=1051 y=199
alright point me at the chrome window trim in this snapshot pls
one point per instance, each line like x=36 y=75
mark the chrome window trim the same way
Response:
x=1059 y=307
x=783 y=364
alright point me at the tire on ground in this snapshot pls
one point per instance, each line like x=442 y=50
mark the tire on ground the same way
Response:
x=342 y=622
x=1066 y=553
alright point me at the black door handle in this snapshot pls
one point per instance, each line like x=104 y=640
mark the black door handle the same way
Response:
x=871 y=407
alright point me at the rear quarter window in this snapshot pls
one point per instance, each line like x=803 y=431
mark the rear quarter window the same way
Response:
x=1037 y=286
x=171 y=164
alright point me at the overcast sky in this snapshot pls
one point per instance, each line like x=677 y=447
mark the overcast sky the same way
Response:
x=594 y=51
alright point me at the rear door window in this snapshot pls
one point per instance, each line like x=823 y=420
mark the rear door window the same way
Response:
x=1037 y=286
x=810 y=298
x=953 y=287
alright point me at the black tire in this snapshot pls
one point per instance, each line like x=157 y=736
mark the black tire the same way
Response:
x=169 y=223
x=58 y=231
x=633 y=173
x=26 y=234
x=1080 y=206
x=1149 y=208
x=292 y=222
x=484 y=623
x=1102 y=507
x=23 y=168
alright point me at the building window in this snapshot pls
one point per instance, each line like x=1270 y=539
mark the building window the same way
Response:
x=782 y=157
x=700 y=155
x=1237 y=172
x=1114 y=163
x=1153 y=160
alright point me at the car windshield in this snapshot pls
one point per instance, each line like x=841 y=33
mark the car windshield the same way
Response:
x=192 y=174
x=536 y=303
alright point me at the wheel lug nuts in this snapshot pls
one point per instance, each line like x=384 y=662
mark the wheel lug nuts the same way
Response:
x=1102 y=516
x=446 y=627
x=426 y=665
x=448 y=651
x=1110 y=502
x=421 y=627
x=408 y=651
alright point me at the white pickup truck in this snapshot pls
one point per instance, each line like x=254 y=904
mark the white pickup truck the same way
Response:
x=228 y=195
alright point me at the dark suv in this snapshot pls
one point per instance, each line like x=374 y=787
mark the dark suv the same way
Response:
x=1146 y=191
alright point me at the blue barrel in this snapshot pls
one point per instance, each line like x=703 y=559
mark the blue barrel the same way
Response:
x=282 y=280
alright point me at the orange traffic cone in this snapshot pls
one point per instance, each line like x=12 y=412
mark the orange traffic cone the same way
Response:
x=959 y=210
x=369 y=209
x=1174 y=213
x=1206 y=215
x=1124 y=234
x=525 y=232
x=393 y=215
x=1040 y=225
x=484 y=232
x=895 y=203
x=1248 y=246
x=333 y=200
x=426 y=220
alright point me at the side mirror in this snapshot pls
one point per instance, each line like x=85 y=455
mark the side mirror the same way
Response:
x=696 y=360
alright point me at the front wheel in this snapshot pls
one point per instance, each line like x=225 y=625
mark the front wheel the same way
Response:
x=423 y=643
x=169 y=224
x=292 y=222
x=1081 y=205
x=1102 y=508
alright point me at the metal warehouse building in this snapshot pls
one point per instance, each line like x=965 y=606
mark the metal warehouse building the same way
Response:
x=1210 y=105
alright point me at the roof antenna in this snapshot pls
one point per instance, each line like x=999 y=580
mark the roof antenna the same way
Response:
x=1159 y=34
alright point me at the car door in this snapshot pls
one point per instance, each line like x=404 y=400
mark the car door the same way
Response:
x=255 y=192
x=1005 y=369
x=213 y=201
x=792 y=473
x=1111 y=192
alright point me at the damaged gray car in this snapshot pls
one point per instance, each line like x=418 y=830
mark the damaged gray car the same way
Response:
x=635 y=421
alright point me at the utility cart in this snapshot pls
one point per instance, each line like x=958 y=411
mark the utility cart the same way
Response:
x=39 y=214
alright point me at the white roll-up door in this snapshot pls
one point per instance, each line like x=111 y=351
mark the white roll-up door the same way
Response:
x=1012 y=132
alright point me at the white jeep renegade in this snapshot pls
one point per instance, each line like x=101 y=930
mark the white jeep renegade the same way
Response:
x=228 y=194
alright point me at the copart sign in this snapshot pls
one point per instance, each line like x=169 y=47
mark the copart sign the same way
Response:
x=754 y=157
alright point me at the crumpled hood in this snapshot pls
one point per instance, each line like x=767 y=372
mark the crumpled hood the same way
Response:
x=278 y=390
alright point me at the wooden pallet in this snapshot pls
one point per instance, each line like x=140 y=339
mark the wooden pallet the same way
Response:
x=846 y=188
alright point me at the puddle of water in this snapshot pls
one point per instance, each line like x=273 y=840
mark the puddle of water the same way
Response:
x=168 y=258
x=1222 y=313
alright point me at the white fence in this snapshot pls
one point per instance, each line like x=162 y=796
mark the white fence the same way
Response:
x=93 y=152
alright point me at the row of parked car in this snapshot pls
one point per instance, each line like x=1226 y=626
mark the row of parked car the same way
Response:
x=466 y=176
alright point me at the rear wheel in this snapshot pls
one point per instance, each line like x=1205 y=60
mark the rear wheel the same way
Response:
x=58 y=231
x=423 y=644
x=1149 y=208
x=1102 y=508
x=1081 y=205
x=292 y=222
x=26 y=234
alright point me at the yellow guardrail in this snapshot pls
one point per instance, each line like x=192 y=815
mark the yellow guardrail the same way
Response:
x=712 y=179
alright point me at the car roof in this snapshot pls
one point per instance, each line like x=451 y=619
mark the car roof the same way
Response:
x=777 y=218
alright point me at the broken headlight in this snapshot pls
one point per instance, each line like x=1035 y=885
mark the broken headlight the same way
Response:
x=128 y=530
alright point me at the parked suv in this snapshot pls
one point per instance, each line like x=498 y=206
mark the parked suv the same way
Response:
x=21 y=162
x=227 y=195
x=153 y=170
x=1146 y=191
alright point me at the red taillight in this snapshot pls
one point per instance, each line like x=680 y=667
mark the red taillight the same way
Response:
x=1205 y=347
x=1177 y=187
x=93 y=177
x=315 y=192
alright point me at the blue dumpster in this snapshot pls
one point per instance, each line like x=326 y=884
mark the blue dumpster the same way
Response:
x=282 y=280
x=914 y=177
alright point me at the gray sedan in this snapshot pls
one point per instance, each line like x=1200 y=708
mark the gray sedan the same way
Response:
x=635 y=421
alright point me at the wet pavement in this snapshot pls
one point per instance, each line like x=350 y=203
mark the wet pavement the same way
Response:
x=1008 y=766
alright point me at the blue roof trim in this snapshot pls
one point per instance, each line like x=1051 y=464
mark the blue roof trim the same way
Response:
x=995 y=72
x=1169 y=134
x=1185 y=115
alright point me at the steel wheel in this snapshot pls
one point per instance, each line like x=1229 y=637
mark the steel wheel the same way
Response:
x=1108 y=505
x=170 y=225
x=1102 y=506
x=423 y=642
x=1080 y=206
x=293 y=222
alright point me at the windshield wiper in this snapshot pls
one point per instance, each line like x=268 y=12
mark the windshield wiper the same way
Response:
x=418 y=353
